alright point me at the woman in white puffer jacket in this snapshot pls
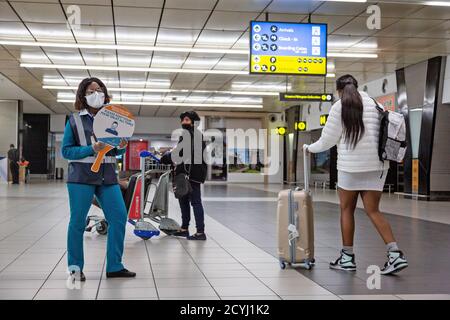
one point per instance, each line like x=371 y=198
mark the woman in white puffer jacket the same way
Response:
x=353 y=125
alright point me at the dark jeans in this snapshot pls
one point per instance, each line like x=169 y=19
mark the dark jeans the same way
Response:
x=194 y=199
x=14 y=167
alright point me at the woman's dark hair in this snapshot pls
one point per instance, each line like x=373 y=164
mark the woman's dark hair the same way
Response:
x=352 y=109
x=80 y=100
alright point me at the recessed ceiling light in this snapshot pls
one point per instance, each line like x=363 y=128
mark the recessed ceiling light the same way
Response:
x=131 y=69
x=120 y=47
x=220 y=51
x=351 y=55
x=163 y=90
x=437 y=3
x=176 y=104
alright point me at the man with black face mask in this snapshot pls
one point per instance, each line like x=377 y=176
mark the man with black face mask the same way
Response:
x=195 y=168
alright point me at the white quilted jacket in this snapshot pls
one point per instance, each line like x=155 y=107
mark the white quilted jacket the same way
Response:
x=364 y=157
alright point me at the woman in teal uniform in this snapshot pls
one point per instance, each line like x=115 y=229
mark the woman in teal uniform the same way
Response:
x=80 y=148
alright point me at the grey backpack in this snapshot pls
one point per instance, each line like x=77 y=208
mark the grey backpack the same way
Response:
x=392 y=140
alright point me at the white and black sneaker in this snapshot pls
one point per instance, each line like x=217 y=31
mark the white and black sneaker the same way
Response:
x=396 y=262
x=345 y=262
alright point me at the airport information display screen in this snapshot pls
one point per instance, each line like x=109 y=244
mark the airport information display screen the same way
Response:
x=288 y=48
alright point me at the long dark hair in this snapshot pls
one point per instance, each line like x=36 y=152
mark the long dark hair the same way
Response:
x=352 y=109
x=80 y=100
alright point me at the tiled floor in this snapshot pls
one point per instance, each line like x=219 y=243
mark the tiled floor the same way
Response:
x=33 y=222
x=421 y=240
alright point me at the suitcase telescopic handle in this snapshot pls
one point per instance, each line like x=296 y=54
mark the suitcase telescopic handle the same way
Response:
x=306 y=167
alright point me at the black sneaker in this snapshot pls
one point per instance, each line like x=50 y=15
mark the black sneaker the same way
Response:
x=80 y=277
x=345 y=262
x=197 y=236
x=124 y=273
x=396 y=262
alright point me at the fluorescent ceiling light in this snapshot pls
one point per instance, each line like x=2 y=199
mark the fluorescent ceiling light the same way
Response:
x=120 y=47
x=260 y=86
x=132 y=69
x=351 y=55
x=437 y=3
x=177 y=104
x=163 y=90
x=220 y=51
x=139 y=83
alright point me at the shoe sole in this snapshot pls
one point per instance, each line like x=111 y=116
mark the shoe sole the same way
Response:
x=342 y=269
x=396 y=270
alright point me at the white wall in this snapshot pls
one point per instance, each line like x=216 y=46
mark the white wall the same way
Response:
x=8 y=125
x=57 y=122
x=446 y=89
x=375 y=87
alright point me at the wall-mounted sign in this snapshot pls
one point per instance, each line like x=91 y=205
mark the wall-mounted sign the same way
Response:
x=281 y=131
x=300 y=126
x=389 y=102
x=323 y=119
x=288 y=48
x=322 y=97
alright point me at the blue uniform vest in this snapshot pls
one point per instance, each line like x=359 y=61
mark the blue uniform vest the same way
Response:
x=79 y=171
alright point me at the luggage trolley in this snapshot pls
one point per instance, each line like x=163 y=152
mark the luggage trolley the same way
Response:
x=156 y=209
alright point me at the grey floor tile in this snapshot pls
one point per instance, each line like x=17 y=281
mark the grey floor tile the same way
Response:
x=126 y=293
x=17 y=294
x=66 y=294
x=192 y=292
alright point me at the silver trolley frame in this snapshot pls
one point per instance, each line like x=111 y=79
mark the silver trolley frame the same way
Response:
x=155 y=199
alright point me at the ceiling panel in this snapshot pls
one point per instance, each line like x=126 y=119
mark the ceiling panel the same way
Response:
x=168 y=60
x=358 y=27
x=190 y=4
x=136 y=17
x=209 y=38
x=334 y=22
x=50 y=32
x=293 y=6
x=187 y=19
x=341 y=8
x=408 y=27
x=39 y=12
x=14 y=30
x=95 y=34
x=6 y=13
x=132 y=59
x=432 y=12
x=138 y=3
x=239 y=5
x=395 y=10
x=180 y=37
x=95 y=15
x=233 y=21
x=442 y=30
x=187 y=81
x=127 y=35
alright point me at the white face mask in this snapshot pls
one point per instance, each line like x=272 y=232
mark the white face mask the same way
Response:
x=95 y=100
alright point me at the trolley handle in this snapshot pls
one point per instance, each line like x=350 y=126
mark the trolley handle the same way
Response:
x=306 y=167
x=147 y=154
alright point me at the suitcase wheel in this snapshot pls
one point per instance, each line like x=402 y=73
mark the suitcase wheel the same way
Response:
x=282 y=265
x=103 y=227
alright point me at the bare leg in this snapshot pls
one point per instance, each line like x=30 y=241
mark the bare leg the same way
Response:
x=348 y=200
x=371 y=200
